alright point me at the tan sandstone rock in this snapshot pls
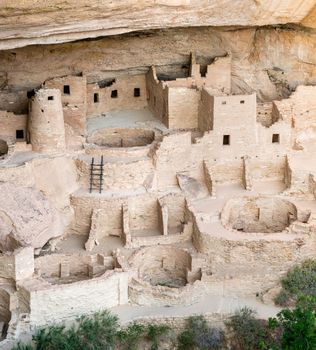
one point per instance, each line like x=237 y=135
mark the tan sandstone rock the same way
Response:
x=26 y=218
x=42 y=22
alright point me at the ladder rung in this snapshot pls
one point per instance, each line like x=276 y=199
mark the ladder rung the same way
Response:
x=96 y=176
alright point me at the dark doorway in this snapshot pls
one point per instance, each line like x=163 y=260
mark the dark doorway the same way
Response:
x=19 y=134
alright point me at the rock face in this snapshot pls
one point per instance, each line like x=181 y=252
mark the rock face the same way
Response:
x=26 y=218
x=271 y=61
x=55 y=21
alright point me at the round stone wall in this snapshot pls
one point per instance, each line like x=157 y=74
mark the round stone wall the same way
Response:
x=123 y=137
x=258 y=214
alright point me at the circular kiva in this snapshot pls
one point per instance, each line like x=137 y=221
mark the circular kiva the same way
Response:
x=123 y=137
x=163 y=266
x=258 y=214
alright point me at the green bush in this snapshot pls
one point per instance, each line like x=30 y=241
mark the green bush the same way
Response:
x=298 y=326
x=199 y=335
x=130 y=336
x=23 y=347
x=299 y=281
x=249 y=333
x=97 y=332
x=154 y=334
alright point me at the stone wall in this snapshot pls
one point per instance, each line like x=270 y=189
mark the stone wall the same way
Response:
x=119 y=174
x=122 y=137
x=264 y=113
x=267 y=169
x=246 y=264
x=17 y=265
x=127 y=92
x=157 y=94
x=225 y=172
x=206 y=111
x=5 y=313
x=183 y=106
x=235 y=116
x=13 y=127
x=142 y=211
x=52 y=304
x=73 y=91
x=300 y=111
x=218 y=76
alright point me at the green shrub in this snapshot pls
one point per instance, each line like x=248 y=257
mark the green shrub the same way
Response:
x=97 y=332
x=130 y=336
x=199 y=335
x=23 y=347
x=247 y=332
x=298 y=326
x=154 y=334
x=299 y=281
x=283 y=298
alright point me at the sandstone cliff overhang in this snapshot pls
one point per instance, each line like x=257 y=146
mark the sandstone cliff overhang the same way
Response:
x=55 y=21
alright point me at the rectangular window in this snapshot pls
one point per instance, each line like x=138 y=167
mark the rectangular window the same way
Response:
x=226 y=140
x=114 y=94
x=95 y=97
x=50 y=98
x=223 y=102
x=19 y=134
x=242 y=102
x=136 y=92
x=275 y=138
x=66 y=90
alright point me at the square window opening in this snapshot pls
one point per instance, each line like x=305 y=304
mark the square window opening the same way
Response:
x=66 y=89
x=226 y=140
x=276 y=138
x=114 y=94
x=50 y=98
x=137 y=92
x=224 y=102
x=242 y=102
x=95 y=97
x=19 y=134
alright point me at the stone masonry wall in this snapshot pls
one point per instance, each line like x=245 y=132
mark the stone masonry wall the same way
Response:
x=130 y=93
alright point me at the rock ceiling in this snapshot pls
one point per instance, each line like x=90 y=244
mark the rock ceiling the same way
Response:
x=27 y=22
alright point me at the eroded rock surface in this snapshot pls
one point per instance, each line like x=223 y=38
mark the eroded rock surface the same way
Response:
x=270 y=61
x=26 y=218
x=28 y=22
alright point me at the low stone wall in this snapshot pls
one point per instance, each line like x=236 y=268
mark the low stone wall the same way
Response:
x=119 y=137
x=143 y=293
x=247 y=264
x=52 y=304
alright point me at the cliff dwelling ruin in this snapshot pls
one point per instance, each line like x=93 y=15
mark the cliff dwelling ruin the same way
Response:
x=154 y=167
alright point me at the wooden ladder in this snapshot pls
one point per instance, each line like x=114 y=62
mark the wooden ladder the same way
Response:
x=96 y=175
